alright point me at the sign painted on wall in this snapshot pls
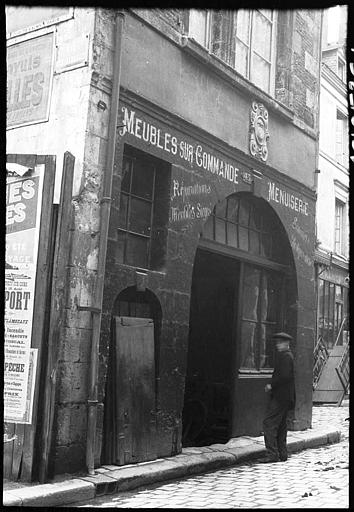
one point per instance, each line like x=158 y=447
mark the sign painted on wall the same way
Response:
x=23 y=210
x=187 y=201
x=29 y=81
x=287 y=199
x=20 y=18
x=194 y=154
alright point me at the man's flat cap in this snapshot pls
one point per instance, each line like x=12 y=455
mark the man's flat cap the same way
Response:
x=282 y=336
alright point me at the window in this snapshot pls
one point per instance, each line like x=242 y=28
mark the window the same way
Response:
x=260 y=316
x=247 y=225
x=339 y=228
x=198 y=25
x=143 y=212
x=341 y=69
x=332 y=313
x=341 y=138
x=242 y=38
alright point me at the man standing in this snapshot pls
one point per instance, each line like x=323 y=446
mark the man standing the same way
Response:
x=282 y=400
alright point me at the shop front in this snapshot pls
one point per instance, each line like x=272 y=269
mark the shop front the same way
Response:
x=210 y=251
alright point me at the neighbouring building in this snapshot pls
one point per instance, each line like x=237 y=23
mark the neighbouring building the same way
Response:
x=332 y=211
x=187 y=233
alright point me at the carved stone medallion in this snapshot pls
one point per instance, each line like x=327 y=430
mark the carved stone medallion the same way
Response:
x=259 y=134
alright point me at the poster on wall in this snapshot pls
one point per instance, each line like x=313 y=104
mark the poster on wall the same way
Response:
x=23 y=211
x=29 y=80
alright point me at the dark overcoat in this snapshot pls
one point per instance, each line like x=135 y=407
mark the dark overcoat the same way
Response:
x=283 y=379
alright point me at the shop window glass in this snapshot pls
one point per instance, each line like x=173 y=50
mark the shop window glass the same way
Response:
x=243 y=238
x=260 y=316
x=232 y=235
x=332 y=313
x=232 y=208
x=143 y=211
x=254 y=242
x=248 y=335
x=243 y=223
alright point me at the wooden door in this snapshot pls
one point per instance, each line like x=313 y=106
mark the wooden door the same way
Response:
x=135 y=390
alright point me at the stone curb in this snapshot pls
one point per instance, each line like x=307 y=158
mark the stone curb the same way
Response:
x=50 y=495
x=111 y=479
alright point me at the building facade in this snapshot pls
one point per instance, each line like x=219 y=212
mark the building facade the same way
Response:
x=201 y=245
x=332 y=246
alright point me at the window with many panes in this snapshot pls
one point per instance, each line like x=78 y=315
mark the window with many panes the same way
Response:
x=247 y=225
x=143 y=212
x=339 y=228
x=342 y=139
x=261 y=304
x=242 y=38
x=333 y=318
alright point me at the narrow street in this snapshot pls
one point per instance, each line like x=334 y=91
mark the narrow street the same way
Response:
x=317 y=478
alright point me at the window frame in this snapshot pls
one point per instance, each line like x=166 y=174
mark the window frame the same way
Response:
x=328 y=307
x=341 y=138
x=259 y=322
x=155 y=256
x=339 y=227
x=232 y=36
x=341 y=68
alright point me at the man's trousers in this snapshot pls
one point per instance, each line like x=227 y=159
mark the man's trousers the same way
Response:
x=275 y=429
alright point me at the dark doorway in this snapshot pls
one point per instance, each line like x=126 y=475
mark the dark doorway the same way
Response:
x=207 y=411
x=243 y=290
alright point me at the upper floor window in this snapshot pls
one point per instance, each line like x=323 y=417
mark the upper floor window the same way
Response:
x=242 y=38
x=339 y=229
x=143 y=211
x=341 y=138
x=341 y=70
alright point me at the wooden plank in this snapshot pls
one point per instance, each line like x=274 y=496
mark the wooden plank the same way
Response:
x=40 y=308
x=17 y=451
x=58 y=299
x=9 y=430
x=22 y=159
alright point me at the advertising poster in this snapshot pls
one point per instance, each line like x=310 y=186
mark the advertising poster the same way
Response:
x=29 y=80
x=23 y=209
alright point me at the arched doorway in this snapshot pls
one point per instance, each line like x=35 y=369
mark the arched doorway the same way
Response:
x=131 y=387
x=242 y=287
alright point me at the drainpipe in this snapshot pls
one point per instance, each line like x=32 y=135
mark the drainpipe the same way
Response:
x=101 y=264
x=315 y=179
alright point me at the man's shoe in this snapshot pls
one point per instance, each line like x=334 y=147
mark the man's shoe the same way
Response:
x=283 y=459
x=267 y=460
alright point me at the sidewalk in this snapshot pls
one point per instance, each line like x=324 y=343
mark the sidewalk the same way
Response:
x=110 y=479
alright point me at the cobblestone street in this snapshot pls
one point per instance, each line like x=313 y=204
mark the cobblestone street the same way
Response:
x=314 y=478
